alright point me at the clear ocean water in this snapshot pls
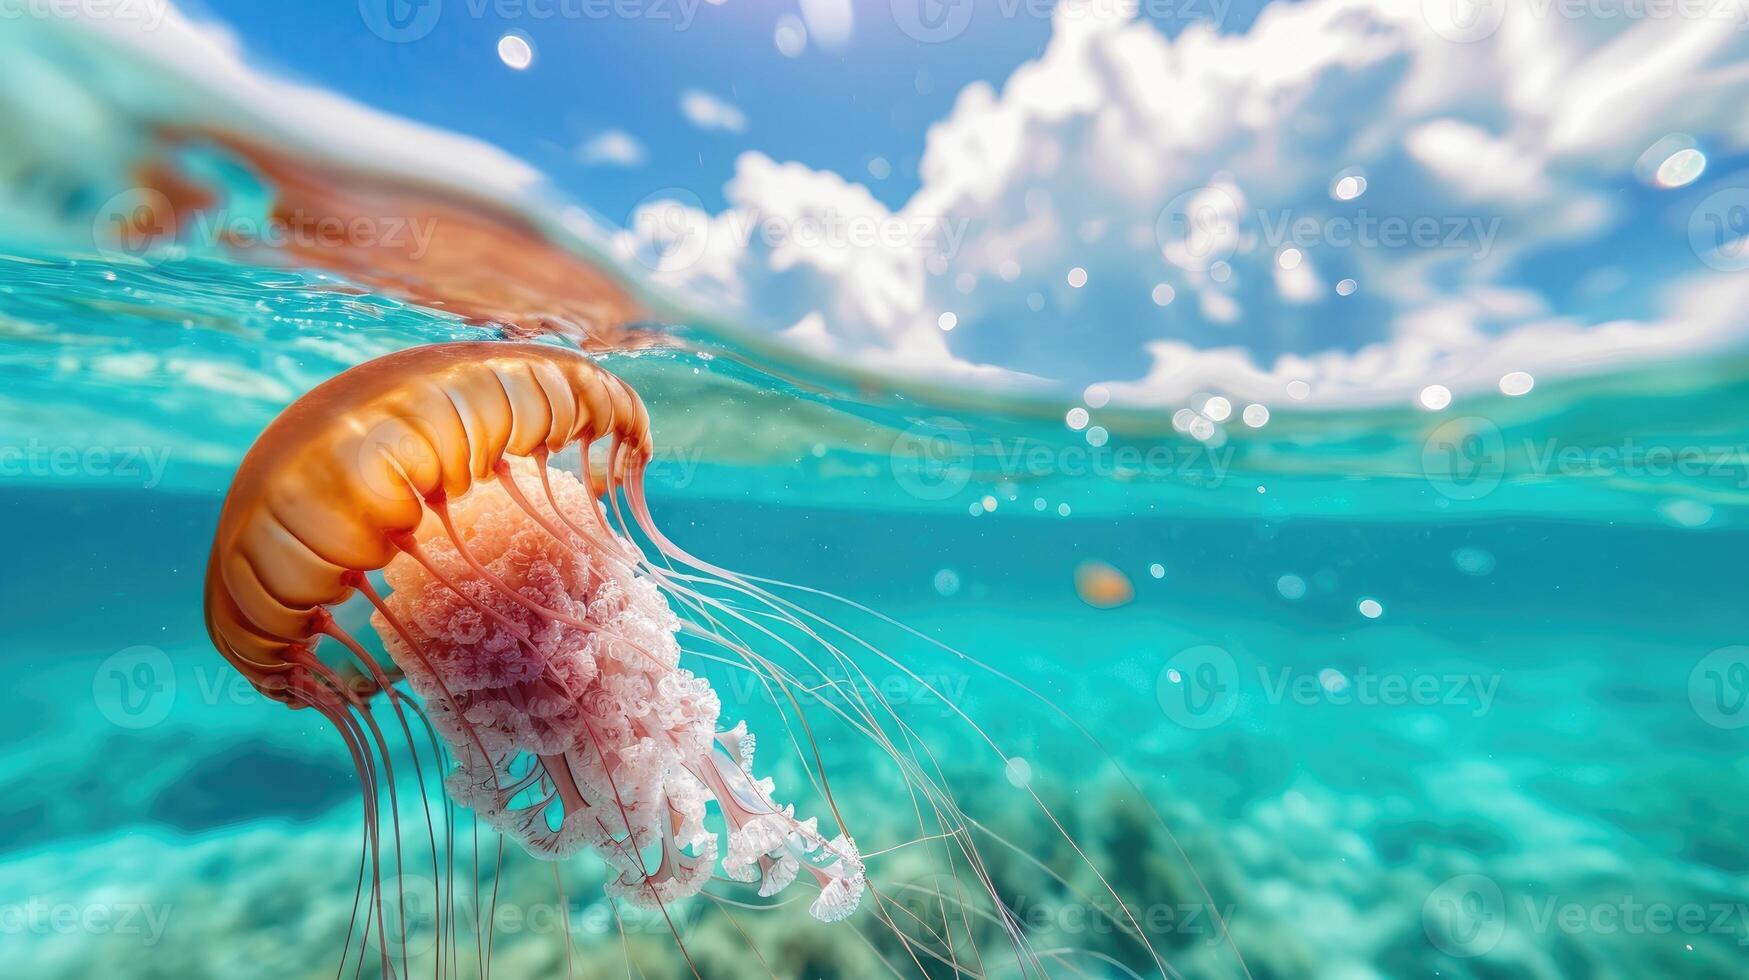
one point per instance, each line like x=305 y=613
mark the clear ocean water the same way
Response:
x=1356 y=694
x=1404 y=716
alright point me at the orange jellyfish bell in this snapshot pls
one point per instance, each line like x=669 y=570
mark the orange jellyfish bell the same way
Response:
x=346 y=477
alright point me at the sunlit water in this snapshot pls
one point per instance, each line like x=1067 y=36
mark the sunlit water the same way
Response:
x=1419 y=694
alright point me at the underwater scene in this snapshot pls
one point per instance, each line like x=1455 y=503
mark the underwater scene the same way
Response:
x=844 y=489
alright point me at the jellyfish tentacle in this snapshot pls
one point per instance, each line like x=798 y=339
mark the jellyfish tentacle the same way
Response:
x=360 y=713
x=362 y=583
x=328 y=704
x=329 y=627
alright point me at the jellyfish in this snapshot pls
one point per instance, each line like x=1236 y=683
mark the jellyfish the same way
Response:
x=530 y=647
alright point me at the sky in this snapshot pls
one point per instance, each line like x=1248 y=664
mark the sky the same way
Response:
x=1333 y=201
x=843 y=99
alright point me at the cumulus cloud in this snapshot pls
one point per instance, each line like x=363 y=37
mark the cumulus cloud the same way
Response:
x=1478 y=191
x=708 y=112
x=613 y=147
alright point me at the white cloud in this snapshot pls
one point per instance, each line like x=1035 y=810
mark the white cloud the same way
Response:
x=708 y=112
x=201 y=73
x=1101 y=154
x=614 y=147
x=1507 y=153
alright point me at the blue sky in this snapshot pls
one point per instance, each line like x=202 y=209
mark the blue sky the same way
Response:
x=833 y=110
x=1337 y=202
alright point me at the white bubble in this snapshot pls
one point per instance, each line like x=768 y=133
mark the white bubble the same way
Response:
x=1332 y=680
x=1077 y=277
x=879 y=168
x=1256 y=416
x=1220 y=272
x=1009 y=270
x=1681 y=168
x=1097 y=436
x=1157 y=570
x=1348 y=187
x=1035 y=301
x=1686 y=513
x=1298 y=390
x=515 y=51
x=947 y=321
x=1096 y=396
x=1164 y=294
x=1291 y=587
x=965 y=282
x=1473 y=560
x=1370 y=608
x=976 y=508
x=1289 y=258
x=947 y=582
x=791 y=36
x=1062 y=510
x=1183 y=419
x=1019 y=772
x=989 y=504
x=1076 y=418
x=1218 y=409
x=1038 y=503
x=1346 y=287
x=1435 y=397
x=1517 y=383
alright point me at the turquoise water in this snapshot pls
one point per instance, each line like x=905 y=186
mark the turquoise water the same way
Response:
x=1528 y=762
